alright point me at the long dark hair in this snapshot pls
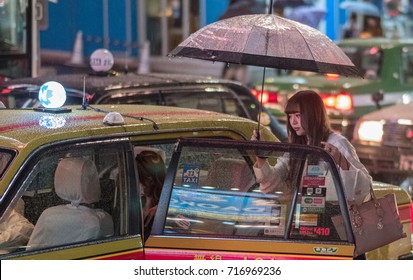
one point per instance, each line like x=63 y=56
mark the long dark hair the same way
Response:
x=151 y=170
x=314 y=121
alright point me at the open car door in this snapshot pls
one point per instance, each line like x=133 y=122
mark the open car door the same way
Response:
x=212 y=207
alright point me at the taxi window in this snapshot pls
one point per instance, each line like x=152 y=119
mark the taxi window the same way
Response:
x=316 y=203
x=216 y=192
x=6 y=157
x=75 y=194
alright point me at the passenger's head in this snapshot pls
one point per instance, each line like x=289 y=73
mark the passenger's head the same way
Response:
x=151 y=170
x=309 y=106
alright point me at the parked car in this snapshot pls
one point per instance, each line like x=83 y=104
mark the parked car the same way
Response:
x=58 y=161
x=386 y=65
x=384 y=143
x=187 y=91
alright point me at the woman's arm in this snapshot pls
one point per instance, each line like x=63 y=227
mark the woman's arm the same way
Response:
x=271 y=178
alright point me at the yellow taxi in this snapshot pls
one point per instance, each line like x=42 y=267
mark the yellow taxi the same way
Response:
x=69 y=189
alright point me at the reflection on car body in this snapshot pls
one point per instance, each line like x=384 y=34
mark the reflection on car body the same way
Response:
x=209 y=206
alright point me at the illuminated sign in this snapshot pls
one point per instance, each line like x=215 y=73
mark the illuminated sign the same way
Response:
x=52 y=95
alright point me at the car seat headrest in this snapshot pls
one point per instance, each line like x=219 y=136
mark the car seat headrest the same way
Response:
x=77 y=180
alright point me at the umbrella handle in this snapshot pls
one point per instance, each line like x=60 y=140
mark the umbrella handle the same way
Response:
x=260 y=110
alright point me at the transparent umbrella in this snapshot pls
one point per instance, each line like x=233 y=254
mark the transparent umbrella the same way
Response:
x=267 y=40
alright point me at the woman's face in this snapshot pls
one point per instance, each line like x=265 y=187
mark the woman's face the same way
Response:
x=295 y=122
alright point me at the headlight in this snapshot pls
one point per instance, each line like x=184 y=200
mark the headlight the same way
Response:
x=370 y=131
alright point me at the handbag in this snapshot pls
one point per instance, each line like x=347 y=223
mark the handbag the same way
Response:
x=375 y=223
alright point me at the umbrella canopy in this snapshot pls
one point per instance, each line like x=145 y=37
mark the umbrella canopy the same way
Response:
x=365 y=8
x=267 y=40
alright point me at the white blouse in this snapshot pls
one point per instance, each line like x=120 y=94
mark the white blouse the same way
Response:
x=356 y=180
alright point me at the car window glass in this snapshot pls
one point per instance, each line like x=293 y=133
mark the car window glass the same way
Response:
x=316 y=206
x=211 y=99
x=75 y=194
x=6 y=157
x=215 y=193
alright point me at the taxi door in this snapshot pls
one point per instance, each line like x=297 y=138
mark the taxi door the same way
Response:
x=213 y=208
x=82 y=202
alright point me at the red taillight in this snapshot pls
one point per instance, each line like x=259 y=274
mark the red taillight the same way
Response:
x=5 y=91
x=332 y=77
x=267 y=96
x=342 y=101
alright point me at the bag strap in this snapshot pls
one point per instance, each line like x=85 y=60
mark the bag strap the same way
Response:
x=356 y=218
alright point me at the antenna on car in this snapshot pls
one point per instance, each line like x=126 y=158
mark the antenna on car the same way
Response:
x=84 y=105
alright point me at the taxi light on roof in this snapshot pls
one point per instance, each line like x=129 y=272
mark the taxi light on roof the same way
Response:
x=101 y=60
x=52 y=95
x=113 y=118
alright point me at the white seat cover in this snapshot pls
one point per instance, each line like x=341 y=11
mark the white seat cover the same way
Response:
x=77 y=181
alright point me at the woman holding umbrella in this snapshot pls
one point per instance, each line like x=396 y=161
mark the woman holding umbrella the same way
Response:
x=308 y=124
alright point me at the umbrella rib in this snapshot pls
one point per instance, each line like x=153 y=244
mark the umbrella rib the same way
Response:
x=308 y=47
x=245 y=45
x=244 y=40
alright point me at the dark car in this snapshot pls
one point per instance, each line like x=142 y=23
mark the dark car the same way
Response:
x=383 y=140
x=188 y=91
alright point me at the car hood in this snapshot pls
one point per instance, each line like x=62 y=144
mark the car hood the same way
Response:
x=395 y=112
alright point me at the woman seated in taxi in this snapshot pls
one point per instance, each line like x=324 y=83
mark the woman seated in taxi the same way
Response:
x=151 y=172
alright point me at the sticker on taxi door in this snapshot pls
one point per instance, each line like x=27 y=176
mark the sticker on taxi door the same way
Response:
x=190 y=175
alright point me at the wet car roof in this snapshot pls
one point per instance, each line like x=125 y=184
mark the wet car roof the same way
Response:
x=20 y=127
